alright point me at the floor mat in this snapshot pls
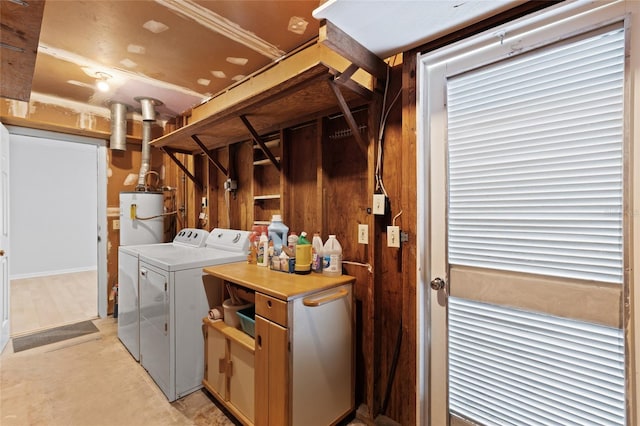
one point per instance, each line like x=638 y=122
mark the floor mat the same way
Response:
x=53 y=335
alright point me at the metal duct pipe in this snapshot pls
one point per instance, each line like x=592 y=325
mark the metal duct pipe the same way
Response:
x=147 y=108
x=146 y=156
x=118 y=140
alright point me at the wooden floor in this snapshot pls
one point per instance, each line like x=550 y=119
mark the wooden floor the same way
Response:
x=51 y=301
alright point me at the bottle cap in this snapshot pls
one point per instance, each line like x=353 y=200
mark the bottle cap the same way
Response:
x=276 y=218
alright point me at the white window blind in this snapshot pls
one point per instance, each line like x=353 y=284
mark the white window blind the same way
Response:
x=512 y=367
x=535 y=162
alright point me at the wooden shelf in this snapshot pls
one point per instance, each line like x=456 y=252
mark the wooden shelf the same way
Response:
x=234 y=334
x=266 y=197
x=269 y=144
x=265 y=162
x=290 y=91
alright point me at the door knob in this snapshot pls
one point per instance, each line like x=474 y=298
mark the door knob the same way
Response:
x=1 y=252
x=437 y=283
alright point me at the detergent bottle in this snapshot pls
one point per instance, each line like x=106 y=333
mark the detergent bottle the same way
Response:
x=277 y=233
x=316 y=253
x=263 y=250
x=252 y=256
x=303 y=255
x=332 y=257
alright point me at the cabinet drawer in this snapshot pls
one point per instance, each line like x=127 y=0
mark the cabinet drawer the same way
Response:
x=272 y=309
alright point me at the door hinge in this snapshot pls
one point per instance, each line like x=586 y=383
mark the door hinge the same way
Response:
x=166 y=327
x=165 y=287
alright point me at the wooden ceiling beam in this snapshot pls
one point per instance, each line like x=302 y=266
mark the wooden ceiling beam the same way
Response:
x=340 y=42
x=20 y=34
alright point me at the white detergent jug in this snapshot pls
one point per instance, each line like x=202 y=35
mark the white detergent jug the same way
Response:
x=332 y=257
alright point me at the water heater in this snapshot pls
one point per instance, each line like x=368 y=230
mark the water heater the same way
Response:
x=141 y=220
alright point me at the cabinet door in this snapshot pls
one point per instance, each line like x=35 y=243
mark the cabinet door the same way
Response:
x=241 y=382
x=216 y=362
x=272 y=373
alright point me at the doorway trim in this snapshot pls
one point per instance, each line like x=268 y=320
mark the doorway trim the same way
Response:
x=588 y=14
x=101 y=205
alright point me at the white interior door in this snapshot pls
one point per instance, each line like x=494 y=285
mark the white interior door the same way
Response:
x=4 y=238
x=526 y=243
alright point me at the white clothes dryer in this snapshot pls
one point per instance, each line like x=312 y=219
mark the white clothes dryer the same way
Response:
x=173 y=302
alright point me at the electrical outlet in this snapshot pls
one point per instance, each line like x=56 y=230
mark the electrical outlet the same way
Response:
x=393 y=236
x=363 y=233
x=379 y=201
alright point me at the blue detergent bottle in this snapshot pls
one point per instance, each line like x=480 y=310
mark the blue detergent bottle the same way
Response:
x=277 y=233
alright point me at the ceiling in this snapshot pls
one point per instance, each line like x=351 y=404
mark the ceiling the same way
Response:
x=181 y=52
x=404 y=24
x=177 y=51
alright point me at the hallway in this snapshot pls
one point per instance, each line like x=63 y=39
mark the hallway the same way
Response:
x=53 y=300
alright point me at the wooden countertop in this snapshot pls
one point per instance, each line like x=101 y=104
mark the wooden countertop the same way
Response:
x=281 y=285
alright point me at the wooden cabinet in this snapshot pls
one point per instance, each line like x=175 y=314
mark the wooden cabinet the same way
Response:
x=299 y=368
x=229 y=368
x=272 y=373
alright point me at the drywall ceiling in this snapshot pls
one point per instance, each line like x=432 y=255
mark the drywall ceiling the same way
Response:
x=182 y=52
x=388 y=27
x=177 y=51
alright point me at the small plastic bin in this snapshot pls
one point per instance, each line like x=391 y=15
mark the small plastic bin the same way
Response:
x=248 y=320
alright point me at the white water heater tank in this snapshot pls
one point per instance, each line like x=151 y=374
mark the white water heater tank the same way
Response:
x=148 y=227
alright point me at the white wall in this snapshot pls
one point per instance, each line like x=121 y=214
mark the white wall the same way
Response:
x=53 y=205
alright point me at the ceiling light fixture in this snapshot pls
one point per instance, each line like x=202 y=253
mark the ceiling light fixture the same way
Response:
x=102 y=82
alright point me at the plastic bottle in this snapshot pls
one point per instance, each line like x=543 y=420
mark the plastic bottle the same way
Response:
x=332 y=257
x=292 y=241
x=252 y=256
x=303 y=255
x=263 y=250
x=316 y=253
x=277 y=233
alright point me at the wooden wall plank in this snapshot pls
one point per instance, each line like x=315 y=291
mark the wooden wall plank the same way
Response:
x=392 y=314
x=409 y=377
x=345 y=201
x=300 y=180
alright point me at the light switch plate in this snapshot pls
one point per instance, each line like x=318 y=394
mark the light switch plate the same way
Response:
x=363 y=233
x=393 y=236
x=379 y=201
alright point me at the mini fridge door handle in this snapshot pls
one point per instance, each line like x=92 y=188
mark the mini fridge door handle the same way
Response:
x=323 y=300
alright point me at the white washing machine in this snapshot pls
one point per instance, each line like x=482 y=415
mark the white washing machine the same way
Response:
x=128 y=289
x=173 y=302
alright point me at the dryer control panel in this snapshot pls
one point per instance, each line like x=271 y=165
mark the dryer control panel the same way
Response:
x=191 y=237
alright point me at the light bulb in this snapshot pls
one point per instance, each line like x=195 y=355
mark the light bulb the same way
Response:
x=102 y=81
x=102 y=86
